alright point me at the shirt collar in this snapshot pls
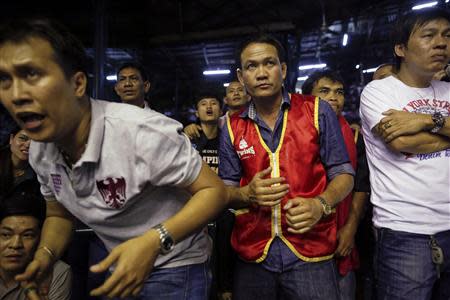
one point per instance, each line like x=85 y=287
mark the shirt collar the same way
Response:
x=95 y=139
x=250 y=110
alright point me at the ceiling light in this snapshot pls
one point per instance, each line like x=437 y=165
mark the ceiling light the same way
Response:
x=226 y=84
x=308 y=67
x=216 y=72
x=371 y=70
x=424 y=5
x=345 y=40
x=301 y=78
x=357 y=67
x=111 y=77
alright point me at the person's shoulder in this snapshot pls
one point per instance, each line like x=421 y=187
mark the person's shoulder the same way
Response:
x=388 y=82
x=441 y=85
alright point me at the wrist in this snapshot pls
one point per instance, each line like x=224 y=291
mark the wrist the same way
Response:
x=44 y=252
x=325 y=207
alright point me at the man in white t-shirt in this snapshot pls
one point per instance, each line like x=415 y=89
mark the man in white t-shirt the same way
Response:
x=406 y=128
x=128 y=173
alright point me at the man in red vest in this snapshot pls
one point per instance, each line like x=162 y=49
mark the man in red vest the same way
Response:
x=329 y=86
x=285 y=163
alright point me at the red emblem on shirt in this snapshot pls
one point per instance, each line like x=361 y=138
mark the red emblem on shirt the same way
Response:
x=113 y=191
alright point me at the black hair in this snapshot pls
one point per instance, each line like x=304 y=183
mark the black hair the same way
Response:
x=136 y=66
x=261 y=39
x=24 y=200
x=68 y=50
x=6 y=165
x=205 y=95
x=408 y=23
x=308 y=85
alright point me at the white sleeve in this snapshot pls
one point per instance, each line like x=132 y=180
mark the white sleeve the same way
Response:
x=46 y=191
x=166 y=153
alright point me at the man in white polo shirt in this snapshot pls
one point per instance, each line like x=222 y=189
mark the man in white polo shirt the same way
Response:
x=128 y=173
x=406 y=128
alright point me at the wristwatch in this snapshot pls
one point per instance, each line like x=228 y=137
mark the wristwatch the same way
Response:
x=326 y=207
x=166 y=241
x=439 y=122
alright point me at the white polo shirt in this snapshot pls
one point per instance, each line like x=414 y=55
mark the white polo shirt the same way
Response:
x=129 y=179
x=409 y=192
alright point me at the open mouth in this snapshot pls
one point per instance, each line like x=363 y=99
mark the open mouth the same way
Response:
x=30 y=120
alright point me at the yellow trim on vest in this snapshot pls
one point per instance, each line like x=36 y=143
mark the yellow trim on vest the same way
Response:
x=230 y=131
x=316 y=114
x=241 y=211
x=309 y=259
x=356 y=134
x=275 y=173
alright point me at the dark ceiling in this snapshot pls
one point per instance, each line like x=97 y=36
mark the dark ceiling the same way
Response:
x=177 y=40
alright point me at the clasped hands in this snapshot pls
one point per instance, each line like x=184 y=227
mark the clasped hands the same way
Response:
x=301 y=213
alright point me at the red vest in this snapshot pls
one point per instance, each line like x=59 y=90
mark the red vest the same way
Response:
x=350 y=262
x=297 y=159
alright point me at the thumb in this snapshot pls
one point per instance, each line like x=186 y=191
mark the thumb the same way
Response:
x=30 y=272
x=263 y=173
x=105 y=264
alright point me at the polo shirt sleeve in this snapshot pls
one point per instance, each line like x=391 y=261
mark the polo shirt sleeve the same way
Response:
x=164 y=154
x=230 y=169
x=333 y=152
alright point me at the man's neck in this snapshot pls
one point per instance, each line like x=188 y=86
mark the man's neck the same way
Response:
x=72 y=147
x=7 y=278
x=268 y=108
x=138 y=102
x=413 y=78
x=233 y=110
x=17 y=163
x=210 y=130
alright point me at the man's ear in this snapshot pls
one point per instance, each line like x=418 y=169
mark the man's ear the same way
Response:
x=239 y=75
x=283 y=70
x=196 y=113
x=79 y=80
x=11 y=138
x=399 y=50
x=147 y=85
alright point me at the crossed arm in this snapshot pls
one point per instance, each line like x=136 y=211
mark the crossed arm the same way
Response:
x=409 y=132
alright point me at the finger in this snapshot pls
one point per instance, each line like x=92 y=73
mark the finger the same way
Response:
x=271 y=193
x=30 y=272
x=388 y=112
x=128 y=290
x=271 y=189
x=33 y=295
x=263 y=173
x=137 y=290
x=122 y=289
x=270 y=198
x=116 y=278
x=197 y=130
x=268 y=203
x=105 y=264
x=299 y=231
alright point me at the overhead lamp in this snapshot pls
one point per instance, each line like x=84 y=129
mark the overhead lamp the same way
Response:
x=345 y=40
x=425 y=5
x=226 y=84
x=111 y=77
x=301 y=78
x=216 y=72
x=357 y=67
x=371 y=70
x=309 y=67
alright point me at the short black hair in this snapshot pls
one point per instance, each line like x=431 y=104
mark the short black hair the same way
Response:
x=69 y=52
x=205 y=95
x=408 y=23
x=261 y=39
x=308 y=85
x=134 y=65
x=24 y=200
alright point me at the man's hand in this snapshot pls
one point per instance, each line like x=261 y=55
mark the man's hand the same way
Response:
x=302 y=214
x=37 y=270
x=133 y=261
x=266 y=192
x=399 y=123
x=346 y=240
x=192 y=130
x=226 y=296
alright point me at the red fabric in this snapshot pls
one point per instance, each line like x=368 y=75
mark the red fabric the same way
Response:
x=350 y=262
x=299 y=162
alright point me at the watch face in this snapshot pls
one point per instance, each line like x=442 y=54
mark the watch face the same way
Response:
x=167 y=244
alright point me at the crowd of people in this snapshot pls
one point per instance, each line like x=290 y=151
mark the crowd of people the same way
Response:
x=267 y=201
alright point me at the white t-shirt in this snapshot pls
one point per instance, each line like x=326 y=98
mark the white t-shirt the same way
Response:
x=130 y=178
x=409 y=192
